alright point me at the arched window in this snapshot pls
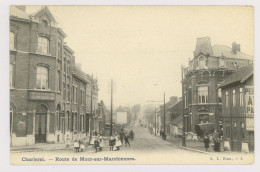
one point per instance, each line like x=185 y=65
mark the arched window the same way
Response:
x=69 y=120
x=11 y=37
x=42 y=76
x=43 y=45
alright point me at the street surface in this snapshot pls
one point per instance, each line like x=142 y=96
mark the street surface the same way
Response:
x=145 y=148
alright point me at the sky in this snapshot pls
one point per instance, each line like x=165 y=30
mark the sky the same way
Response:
x=142 y=48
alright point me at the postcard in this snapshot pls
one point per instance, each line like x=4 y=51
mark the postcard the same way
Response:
x=131 y=85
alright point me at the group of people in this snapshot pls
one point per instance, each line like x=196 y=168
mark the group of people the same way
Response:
x=97 y=140
x=118 y=140
x=208 y=138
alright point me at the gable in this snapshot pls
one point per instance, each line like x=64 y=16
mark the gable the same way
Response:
x=45 y=14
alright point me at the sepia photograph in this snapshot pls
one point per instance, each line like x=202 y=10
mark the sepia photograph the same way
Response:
x=131 y=85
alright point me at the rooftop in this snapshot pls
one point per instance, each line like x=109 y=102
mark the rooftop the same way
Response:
x=241 y=75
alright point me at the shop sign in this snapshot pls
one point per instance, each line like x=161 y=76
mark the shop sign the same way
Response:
x=249 y=96
x=33 y=95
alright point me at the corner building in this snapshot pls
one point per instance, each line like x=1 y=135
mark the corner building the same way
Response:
x=206 y=71
x=41 y=80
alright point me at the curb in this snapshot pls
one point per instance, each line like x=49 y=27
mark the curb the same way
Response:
x=195 y=150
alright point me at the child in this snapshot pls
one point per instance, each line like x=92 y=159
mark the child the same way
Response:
x=76 y=145
x=111 y=143
x=126 y=140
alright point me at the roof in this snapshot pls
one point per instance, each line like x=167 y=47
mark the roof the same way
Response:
x=241 y=75
x=223 y=50
x=203 y=46
x=177 y=120
x=15 y=12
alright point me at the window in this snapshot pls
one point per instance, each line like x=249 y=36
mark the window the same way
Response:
x=59 y=49
x=43 y=45
x=203 y=94
x=69 y=120
x=227 y=130
x=241 y=98
x=226 y=99
x=219 y=96
x=58 y=117
x=202 y=63
x=75 y=121
x=82 y=97
x=64 y=91
x=81 y=123
x=234 y=97
x=11 y=73
x=59 y=81
x=11 y=41
x=68 y=67
x=222 y=62
x=75 y=95
x=68 y=90
x=42 y=78
x=64 y=63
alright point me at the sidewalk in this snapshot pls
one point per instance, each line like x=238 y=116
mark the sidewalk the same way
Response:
x=194 y=145
x=46 y=147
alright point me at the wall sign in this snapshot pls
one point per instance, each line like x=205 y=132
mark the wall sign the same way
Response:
x=36 y=95
x=249 y=96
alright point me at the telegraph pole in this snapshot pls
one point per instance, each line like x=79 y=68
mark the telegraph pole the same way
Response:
x=111 y=118
x=155 y=123
x=164 y=112
x=183 y=116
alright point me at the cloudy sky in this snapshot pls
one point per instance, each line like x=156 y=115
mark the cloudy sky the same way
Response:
x=142 y=48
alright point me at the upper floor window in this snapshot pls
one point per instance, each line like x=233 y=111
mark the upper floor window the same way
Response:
x=11 y=70
x=221 y=62
x=59 y=81
x=43 y=45
x=11 y=37
x=234 y=97
x=226 y=99
x=241 y=98
x=203 y=94
x=42 y=78
x=202 y=62
x=59 y=50
x=68 y=67
x=68 y=91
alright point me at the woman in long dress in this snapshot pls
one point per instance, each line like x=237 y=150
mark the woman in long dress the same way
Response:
x=118 y=143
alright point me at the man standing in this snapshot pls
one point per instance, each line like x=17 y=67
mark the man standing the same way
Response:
x=121 y=135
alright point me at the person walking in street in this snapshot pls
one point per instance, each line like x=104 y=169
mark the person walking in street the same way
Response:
x=131 y=134
x=126 y=139
x=121 y=135
x=118 y=143
x=206 y=143
x=76 y=145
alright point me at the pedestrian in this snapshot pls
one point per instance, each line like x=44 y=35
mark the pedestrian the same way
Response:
x=121 y=135
x=111 y=143
x=82 y=143
x=206 y=143
x=118 y=143
x=126 y=140
x=101 y=141
x=76 y=145
x=131 y=135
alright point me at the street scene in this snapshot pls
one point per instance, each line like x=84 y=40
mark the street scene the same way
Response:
x=106 y=85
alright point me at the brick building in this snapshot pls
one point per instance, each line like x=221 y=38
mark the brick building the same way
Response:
x=205 y=72
x=238 y=108
x=47 y=92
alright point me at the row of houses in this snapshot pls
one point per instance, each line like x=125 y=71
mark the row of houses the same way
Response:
x=50 y=96
x=218 y=89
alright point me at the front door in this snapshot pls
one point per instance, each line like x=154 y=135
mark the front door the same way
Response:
x=40 y=124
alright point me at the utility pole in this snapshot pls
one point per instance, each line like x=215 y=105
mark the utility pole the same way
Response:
x=164 y=112
x=111 y=118
x=155 y=123
x=183 y=116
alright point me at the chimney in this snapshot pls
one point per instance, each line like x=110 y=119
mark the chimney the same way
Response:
x=21 y=7
x=235 y=47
